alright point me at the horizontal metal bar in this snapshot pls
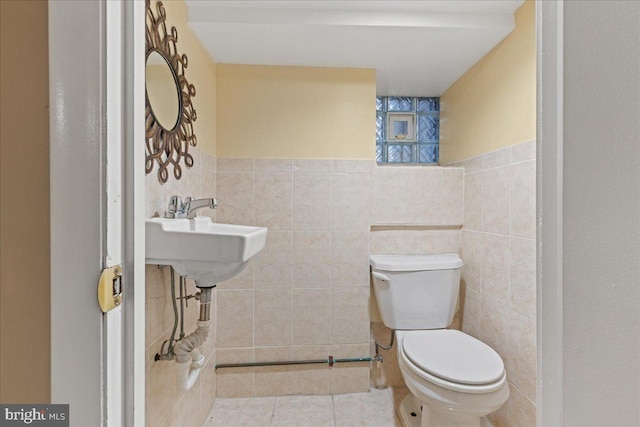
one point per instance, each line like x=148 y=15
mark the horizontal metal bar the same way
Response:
x=330 y=361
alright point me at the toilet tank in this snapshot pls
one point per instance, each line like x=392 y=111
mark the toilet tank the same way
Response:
x=416 y=291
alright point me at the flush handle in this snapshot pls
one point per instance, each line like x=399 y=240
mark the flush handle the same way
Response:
x=380 y=276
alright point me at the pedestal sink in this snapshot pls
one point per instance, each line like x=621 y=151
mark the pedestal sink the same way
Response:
x=202 y=250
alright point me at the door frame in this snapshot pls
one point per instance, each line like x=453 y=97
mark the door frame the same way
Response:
x=549 y=173
x=96 y=74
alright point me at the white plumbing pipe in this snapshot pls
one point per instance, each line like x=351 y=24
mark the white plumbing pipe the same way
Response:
x=189 y=371
x=190 y=360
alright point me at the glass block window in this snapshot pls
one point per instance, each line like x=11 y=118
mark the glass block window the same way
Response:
x=423 y=144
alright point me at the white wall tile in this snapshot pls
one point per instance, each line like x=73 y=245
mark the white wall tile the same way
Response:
x=352 y=166
x=190 y=183
x=274 y=264
x=471 y=313
x=494 y=325
x=473 y=201
x=523 y=199
x=311 y=201
x=350 y=201
x=312 y=259
x=311 y=166
x=473 y=164
x=522 y=292
x=234 y=325
x=496 y=200
x=235 y=198
x=234 y=165
x=273 y=200
x=452 y=196
x=311 y=316
x=406 y=195
x=495 y=267
x=350 y=315
x=523 y=151
x=273 y=323
x=501 y=157
x=349 y=258
x=272 y=380
x=522 y=411
x=521 y=361
x=234 y=382
x=472 y=258
x=503 y=195
x=273 y=165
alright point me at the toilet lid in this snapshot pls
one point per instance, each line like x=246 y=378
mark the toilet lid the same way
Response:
x=454 y=356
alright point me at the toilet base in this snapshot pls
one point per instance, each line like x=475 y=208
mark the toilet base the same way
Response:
x=410 y=411
x=413 y=414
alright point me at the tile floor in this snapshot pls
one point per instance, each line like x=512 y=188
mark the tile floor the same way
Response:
x=373 y=409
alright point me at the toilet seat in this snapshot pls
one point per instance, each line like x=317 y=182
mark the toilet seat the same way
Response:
x=453 y=360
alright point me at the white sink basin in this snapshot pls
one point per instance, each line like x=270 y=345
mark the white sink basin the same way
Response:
x=199 y=249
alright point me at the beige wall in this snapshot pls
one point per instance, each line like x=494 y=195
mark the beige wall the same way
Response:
x=493 y=104
x=25 y=354
x=201 y=72
x=295 y=112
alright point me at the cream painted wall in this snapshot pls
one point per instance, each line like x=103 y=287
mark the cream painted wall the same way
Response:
x=301 y=112
x=25 y=352
x=493 y=105
x=201 y=71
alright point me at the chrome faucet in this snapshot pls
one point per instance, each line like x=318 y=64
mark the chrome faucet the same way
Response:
x=187 y=209
x=190 y=205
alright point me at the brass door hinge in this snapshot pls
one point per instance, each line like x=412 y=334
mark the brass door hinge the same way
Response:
x=110 y=288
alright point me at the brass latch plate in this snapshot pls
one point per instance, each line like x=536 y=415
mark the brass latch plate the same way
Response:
x=110 y=288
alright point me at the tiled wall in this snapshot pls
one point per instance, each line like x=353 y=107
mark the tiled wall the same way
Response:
x=307 y=295
x=499 y=275
x=420 y=218
x=166 y=404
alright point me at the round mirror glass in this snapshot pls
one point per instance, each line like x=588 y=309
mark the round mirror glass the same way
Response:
x=162 y=90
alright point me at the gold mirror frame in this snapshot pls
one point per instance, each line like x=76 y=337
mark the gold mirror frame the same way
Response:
x=168 y=146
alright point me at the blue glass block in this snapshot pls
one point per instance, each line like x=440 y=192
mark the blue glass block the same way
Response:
x=394 y=155
x=380 y=122
x=428 y=128
x=378 y=153
x=397 y=103
x=429 y=153
x=428 y=104
x=399 y=153
x=380 y=103
x=406 y=153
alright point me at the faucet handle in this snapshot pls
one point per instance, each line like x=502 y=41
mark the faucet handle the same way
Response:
x=186 y=205
x=175 y=206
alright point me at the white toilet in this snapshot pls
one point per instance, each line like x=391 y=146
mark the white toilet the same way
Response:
x=454 y=378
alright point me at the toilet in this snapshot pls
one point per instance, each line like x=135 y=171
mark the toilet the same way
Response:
x=454 y=379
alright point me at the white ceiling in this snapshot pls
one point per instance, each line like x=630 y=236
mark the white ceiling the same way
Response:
x=418 y=48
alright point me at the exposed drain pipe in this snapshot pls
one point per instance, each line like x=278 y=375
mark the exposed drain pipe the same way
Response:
x=330 y=361
x=190 y=360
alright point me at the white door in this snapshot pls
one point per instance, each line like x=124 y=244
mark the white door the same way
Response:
x=96 y=66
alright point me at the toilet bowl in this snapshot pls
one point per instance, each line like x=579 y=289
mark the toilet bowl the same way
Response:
x=453 y=378
x=455 y=385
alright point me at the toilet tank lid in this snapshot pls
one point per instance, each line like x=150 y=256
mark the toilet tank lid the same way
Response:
x=416 y=262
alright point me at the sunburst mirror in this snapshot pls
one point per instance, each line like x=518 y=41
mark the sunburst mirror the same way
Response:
x=169 y=110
